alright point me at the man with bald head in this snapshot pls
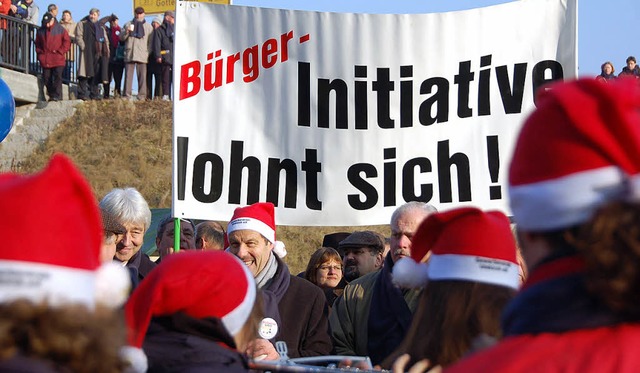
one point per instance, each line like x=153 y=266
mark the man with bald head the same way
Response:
x=372 y=315
x=210 y=236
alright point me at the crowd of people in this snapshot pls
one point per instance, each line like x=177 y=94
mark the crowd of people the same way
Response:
x=446 y=290
x=607 y=70
x=103 y=51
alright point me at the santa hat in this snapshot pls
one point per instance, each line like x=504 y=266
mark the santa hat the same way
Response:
x=51 y=236
x=258 y=217
x=199 y=284
x=577 y=151
x=464 y=244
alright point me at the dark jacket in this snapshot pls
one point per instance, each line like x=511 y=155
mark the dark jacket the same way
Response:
x=22 y=364
x=179 y=343
x=163 y=43
x=303 y=314
x=52 y=45
x=140 y=265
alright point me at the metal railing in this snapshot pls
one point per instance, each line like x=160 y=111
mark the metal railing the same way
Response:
x=18 y=50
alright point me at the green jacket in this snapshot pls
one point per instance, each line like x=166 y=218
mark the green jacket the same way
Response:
x=350 y=314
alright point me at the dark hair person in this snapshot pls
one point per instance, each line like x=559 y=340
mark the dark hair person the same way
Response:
x=577 y=209
x=471 y=272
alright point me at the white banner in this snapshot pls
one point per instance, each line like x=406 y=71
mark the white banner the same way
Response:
x=339 y=118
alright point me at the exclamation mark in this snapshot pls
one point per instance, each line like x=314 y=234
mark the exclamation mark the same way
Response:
x=183 y=149
x=493 y=153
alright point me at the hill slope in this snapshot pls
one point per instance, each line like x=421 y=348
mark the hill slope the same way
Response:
x=118 y=143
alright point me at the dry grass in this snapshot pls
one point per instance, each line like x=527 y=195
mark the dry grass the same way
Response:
x=117 y=143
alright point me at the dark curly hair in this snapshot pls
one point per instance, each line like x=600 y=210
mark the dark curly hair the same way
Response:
x=71 y=337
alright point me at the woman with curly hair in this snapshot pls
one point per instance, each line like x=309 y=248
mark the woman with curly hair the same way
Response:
x=575 y=195
x=56 y=299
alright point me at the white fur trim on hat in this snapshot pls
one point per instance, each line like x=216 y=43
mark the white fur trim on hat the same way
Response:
x=474 y=268
x=39 y=282
x=279 y=249
x=113 y=285
x=409 y=274
x=135 y=358
x=235 y=319
x=254 y=225
x=566 y=201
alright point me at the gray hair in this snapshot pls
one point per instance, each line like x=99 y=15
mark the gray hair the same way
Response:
x=128 y=206
x=409 y=206
x=162 y=226
x=94 y=10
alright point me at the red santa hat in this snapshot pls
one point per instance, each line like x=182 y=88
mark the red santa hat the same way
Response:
x=259 y=217
x=51 y=236
x=197 y=283
x=464 y=244
x=577 y=151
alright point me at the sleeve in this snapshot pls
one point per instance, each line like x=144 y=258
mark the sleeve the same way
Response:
x=80 y=36
x=39 y=43
x=34 y=14
x=342 y=326
x=66 y=42
x=317 y=342
x=124 y=34
x=5 y=5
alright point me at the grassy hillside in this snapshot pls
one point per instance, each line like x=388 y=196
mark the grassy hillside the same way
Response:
x=118 y=143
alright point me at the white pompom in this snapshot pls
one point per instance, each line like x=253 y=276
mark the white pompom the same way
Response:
x=279 y=249
x=113 y=285
x=409 y=274
x=136 y=359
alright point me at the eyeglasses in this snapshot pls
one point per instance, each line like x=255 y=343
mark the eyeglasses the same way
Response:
x=336 y=268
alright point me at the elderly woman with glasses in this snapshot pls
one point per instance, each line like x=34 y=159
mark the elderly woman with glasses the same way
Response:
x=325 y=270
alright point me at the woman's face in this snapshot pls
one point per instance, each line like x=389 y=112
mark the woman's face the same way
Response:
x=608 y=69
x=329 y=274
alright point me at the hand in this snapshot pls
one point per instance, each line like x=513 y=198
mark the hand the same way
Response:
x=421 y=366
x=346 y=363
x=159 y=59
x=13 y=8
x=262 y=349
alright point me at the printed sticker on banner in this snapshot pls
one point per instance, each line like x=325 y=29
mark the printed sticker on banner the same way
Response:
x=268 y=328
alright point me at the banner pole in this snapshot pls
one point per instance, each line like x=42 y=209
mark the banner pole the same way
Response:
x=176 y=235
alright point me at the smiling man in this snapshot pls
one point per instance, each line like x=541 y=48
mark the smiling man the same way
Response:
x=131 y=210
x=295 y=309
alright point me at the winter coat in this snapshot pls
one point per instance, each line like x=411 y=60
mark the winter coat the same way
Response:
x=91 y=49
x=303 y=314
x=136 y=49
x=178 y=343
x=555 y=325
x=71 y=29
x=140 y=264
x=349 y=318
x=163 y=43
x=5 y=6
x=28 y=12
x=52 y=45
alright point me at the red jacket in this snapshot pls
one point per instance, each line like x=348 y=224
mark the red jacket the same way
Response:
x=52 y=45
x=5 y=5
x=604 y=349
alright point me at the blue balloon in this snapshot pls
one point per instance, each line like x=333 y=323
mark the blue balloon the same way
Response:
x=7 y=109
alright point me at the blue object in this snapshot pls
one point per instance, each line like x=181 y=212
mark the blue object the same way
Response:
x=7 y=109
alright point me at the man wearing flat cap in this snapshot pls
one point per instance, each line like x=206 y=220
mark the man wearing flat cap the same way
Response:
x=362 y=253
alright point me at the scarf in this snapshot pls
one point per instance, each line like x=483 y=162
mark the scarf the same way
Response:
x=554 y=300
x=273 y=287
x=389 y=316
x=138 y=28
x=99 y=32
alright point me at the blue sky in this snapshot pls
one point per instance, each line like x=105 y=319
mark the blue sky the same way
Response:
x=606 y=31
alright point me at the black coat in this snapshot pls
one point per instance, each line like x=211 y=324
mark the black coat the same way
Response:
x=163 y=43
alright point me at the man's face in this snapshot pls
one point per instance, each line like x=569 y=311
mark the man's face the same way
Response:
x=329 y=274
x=140 y=16
x=94 y=17
x=253 y=249
x=131 y=242
x=155 y=25
x=631 y=64
x=169 y=19
x=402 y=231
x=358 y=261
x=187 y=238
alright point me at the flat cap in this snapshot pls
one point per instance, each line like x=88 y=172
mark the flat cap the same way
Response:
x=370 y=239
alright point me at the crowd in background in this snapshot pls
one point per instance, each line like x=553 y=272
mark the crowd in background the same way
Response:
x=103 y=52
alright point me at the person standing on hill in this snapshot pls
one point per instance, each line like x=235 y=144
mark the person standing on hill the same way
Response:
x=70 y=25
x=163 y=51
x=137 y=39
x=632 y=69
x=52 y=44
x=93 y=69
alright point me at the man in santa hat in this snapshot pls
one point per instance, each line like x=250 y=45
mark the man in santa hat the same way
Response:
x=295 y=309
